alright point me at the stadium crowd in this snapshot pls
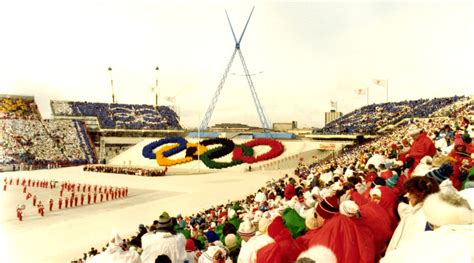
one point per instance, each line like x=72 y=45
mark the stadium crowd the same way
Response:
x=121 y=116
x=125 y=170
x=404 y=197
x=369 y=119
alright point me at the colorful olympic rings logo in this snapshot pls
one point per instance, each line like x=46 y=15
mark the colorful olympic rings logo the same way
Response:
x=241 y=153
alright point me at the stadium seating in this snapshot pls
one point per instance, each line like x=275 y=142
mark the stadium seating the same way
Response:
x=371 y=118
x=120 y=116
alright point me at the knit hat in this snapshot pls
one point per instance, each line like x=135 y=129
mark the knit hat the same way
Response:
x=376 y=191
x=442 y=173
x=318 y=254
x=392 y=181
x=447 y=207
x=211 y=236
x=246 y=229
x=230 y=241
x=293 y=222
x=379 y=181
x=414 y=130
x=310 y=221
x=328 y=207
x=190 y=245
x=349 y=208
x=164 y=222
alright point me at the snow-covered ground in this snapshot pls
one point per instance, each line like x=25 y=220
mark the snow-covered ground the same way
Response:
x=63 y=235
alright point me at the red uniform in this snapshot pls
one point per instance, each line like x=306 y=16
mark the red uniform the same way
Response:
x=51 y=202
x=60 y=203
x=5 y=187
x=66 y=202
x=88 y=198
x=101 y=197
x=88 y=188
x=82 y=199
x=40 y=209
x=11 y=181
x=28 y=196
x=78 y=187
x=23 y=182
x=24 y=189
x=34 y=200
x=71 y=200
x=19 y=214
x=75 y=200
x=95 y=197
x=17 y=181
x=84 y=188
x=106 y=195
x=29 y=182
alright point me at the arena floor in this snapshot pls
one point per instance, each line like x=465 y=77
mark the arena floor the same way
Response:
x=63 y=235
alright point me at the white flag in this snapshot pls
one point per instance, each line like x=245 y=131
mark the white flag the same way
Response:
x=360 y=91
x=380 y=82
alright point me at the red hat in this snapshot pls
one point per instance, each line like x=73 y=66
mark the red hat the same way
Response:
x=190 y=245
x=328 y=207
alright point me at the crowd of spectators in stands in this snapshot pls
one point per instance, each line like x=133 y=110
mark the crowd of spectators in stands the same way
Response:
x=369 y=119
x=18 y=108
x=121 y=116
x=27 y=139
x=404 y=197
x=125 y=170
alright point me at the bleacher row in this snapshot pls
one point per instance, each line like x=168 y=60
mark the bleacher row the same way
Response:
x=369 y=119
x=120 y=116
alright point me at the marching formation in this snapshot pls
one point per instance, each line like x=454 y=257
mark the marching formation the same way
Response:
x=70 y=194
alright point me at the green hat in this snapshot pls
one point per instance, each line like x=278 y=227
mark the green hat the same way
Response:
x=294 y=222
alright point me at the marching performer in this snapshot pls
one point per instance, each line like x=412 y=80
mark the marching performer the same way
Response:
x=82 y=199
x=51 y=202
x=40 y=208
x=34 y=200
x=60 y=202
x=19 y=211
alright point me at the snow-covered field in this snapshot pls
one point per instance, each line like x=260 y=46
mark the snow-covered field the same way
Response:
x=63 y=235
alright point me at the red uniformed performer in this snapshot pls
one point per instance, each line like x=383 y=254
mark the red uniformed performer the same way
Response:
x=71 y=201
x=78 y=187
x=4 y=187
x=28 y=195
x=100 y=189
x=106 y=195
x=24 y=189
x=40 y=208
x=101 y=197
x=60 y=203
x=34 y=200
x=88 y=198
x=75 y=200
x=29 y=182
x=66 y=202
x=95 y=188
x=19 y=211
x=17 y=181
x=11 y=181
x=84 y=188
x=33 y=183
x=51 y=203
x=23 y=182
x=82 y=199
x=88 y=188
x=126 y=191
x=95 y=197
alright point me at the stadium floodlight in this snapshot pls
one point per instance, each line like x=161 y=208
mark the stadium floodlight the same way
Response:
x=258 y=106
x=156 y=87
x=112 y=85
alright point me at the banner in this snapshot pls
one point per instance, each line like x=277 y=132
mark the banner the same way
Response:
x=360 y=91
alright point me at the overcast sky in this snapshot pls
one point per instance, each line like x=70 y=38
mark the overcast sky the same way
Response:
x=304 y=53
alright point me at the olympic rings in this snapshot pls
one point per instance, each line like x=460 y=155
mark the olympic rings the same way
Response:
x=243 y=153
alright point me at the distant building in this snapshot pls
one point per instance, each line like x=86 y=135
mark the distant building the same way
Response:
x=285 y=126
x=330 y=116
